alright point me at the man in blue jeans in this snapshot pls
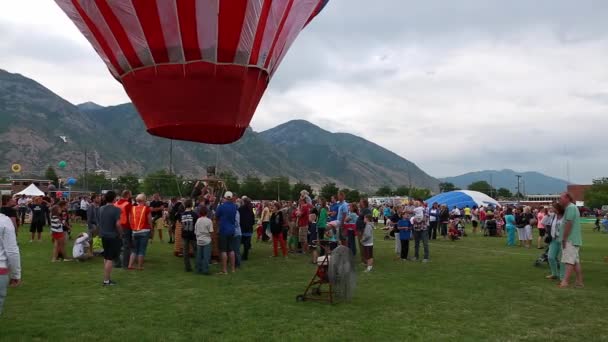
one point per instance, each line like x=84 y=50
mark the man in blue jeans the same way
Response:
x=226 y=216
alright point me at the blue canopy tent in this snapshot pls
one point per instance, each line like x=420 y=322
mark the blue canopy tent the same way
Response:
x=463 y=198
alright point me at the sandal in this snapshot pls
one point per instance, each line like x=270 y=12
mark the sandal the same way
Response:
x=551 y=277
x=561 y=286
x=579 y=286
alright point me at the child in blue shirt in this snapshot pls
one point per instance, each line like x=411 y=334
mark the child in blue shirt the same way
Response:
x=405 y=231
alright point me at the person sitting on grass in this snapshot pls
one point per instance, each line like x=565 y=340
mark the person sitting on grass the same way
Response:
x=367 y=242
x=203 y=230
x=453 y=232
x=80 y=251
x=57 y=234
x=405 y=232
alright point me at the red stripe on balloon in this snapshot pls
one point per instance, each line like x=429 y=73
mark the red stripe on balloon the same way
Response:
x=99 y=37
x=278 y=34
x=230 y=26
x=259 y=34
x=147 y=13
x=119 y=33
x=186 y=13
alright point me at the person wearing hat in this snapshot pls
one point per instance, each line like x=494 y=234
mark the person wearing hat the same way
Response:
x=226 y=216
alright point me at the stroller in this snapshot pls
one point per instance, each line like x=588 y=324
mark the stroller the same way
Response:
x=543 y=258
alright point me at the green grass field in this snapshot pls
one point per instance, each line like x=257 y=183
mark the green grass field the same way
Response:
x=473 y=290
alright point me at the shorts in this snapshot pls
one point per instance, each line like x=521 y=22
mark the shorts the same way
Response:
x=58 y=236
x=225 y=243
x=468 y=217
x=475 y=224
x=375 y=220
x=293 y=240
x=541 y=232
x=368 y=252
x=159 y=224
x=140 y=243
x=111 y=248
x=570 y=254
x=528 y=232
x=36 y=227
x=302 y=234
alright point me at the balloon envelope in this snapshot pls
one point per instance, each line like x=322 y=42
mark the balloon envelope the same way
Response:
x=62 y=164
x=194 y=69
x=71 y=181
x=59 y=194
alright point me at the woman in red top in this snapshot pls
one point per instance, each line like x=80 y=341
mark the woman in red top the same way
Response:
x=141 y=224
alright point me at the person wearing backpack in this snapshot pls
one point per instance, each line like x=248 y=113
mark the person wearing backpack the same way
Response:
x=126 y=207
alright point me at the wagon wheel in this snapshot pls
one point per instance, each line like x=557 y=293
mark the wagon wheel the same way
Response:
x=316 y=291
x=300 y=298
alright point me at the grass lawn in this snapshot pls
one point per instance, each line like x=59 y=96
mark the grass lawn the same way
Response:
x=474 y=290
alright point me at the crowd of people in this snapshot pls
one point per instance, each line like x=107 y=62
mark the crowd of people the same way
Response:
x=121 y=227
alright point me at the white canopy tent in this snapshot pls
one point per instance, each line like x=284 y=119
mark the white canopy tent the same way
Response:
x=31 y=190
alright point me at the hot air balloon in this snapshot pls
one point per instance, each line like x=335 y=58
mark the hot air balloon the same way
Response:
x=62 y=164
x=194 y=69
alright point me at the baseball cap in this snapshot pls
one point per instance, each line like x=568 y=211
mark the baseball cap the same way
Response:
x=228 y=195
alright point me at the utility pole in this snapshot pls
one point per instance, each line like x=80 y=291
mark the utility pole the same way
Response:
x=491 y=186
x=518 y=185
x=84 y=179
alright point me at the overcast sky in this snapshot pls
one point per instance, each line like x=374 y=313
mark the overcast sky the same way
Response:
x=454 y=86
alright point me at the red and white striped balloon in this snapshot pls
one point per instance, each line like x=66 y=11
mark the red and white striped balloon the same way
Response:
x=194 y=69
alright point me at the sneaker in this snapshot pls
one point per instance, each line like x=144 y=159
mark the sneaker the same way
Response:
x=426 y=260
x=109 y=283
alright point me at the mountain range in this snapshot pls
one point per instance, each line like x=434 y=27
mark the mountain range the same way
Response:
x=33 y=119
x=530 y=183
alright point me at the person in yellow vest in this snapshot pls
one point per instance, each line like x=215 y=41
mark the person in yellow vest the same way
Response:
x=141 y=224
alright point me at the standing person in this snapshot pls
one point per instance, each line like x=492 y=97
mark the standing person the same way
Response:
x=541 y=227
x=265 y=219
x=84 y=207
x=276 y=228
x=110 y=231
x=510 y=225
x=433 y=221
x=386 y=214
x=475 y=219
x=467 y=214
x=405 y=231
x=10 y=259
x=58 y=234
x=39 y=210
x=482 y=219
x=226 y=215
x=302 y=214
x=8 y=209
x=93 y=216
x=351 y=227
x=125 y=205
x=375 y=215
x=571 y=241
x=156 y=206
x=342 y=213
x=141 y=225
x=364 y=210
x=236 y=239
x=247 y=222
x=555 y=244
x=444 y=217
x=367 y=243
x=421 y=233
x=333 y=209
x=23 y=204
x=526 y=221
x=203 y=229
x=188 y=220
x=322 y=221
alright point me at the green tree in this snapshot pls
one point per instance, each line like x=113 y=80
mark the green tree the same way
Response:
x=352 y=196
x=402 y=191
x=298 y=187
x=597 y=195
x=231 y=180
x=162 y=182
x=504 y=193
x=328 y=190
x=277 y=188
x=384 y=190
x=51 y=175
x=482 y=186
x=94 y=182
x=447 y=187
x=128 y=181
x=420 y=193
x=253 y=188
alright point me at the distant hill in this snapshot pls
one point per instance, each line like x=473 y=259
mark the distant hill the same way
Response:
x=535 y=182
x=32 y=118
x=353 y=160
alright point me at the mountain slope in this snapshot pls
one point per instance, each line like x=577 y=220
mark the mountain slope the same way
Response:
x=32 y=118
x=535 y=182
x=355 y=161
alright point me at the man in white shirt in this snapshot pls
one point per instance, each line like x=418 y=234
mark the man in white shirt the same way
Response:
x=84 y=205
x=10 y=259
